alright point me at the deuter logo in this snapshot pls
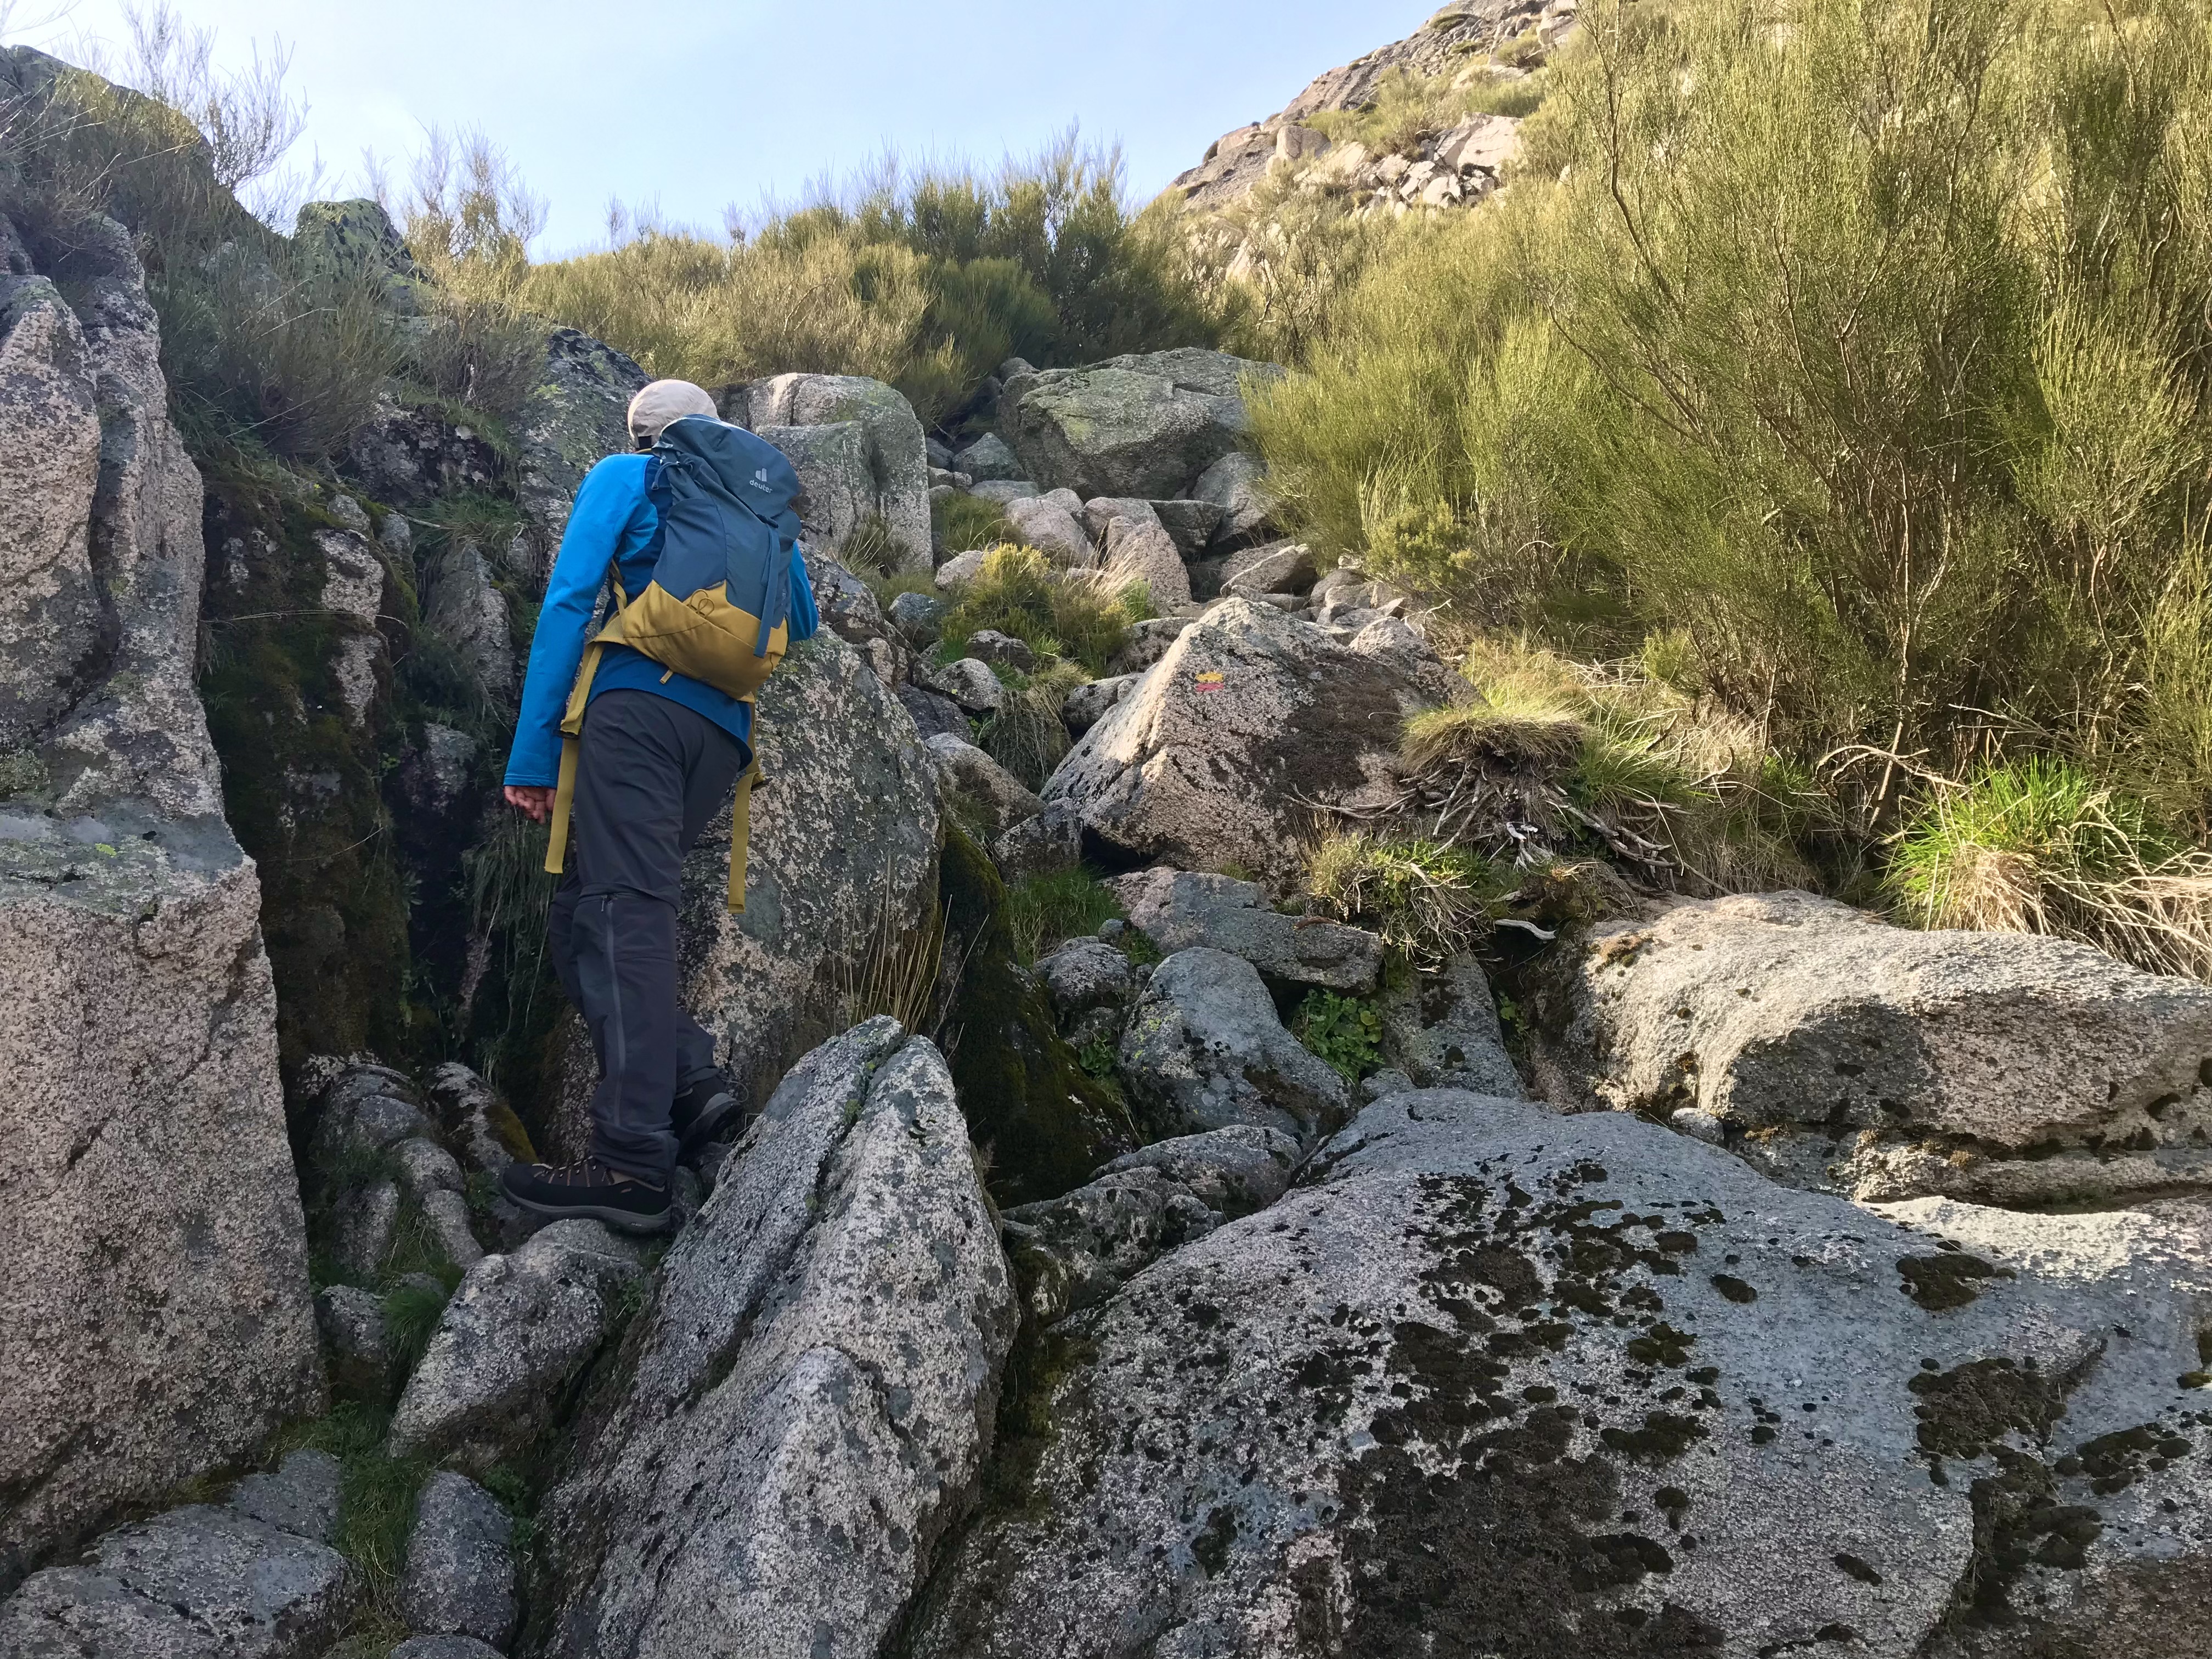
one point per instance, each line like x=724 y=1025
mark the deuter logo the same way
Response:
x=760 y=481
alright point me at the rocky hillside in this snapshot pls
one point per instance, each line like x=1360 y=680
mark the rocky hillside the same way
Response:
x=1142 y=1241
x=1438 y=162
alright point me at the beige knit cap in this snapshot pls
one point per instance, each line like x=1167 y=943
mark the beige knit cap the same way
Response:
x=664 y=402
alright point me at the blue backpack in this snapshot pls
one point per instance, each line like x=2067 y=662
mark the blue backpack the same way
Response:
x=718 y=606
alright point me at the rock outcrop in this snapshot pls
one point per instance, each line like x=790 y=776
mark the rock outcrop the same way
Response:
x=812 y=1393
x=1491 y=1380
x=1176 y=909
x=1147 y=426
x=879 y=469
x=1217 y=754
x=1837 y=1051
x=155 y=1320
x=513 y=1337
x=1451 y=43
x=574 y=417
x=256 y=1579
x=1204 y=1050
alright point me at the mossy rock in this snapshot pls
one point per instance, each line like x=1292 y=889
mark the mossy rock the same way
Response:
x=1045 y=1123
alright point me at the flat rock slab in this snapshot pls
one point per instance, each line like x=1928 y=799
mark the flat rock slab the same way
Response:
x=194 y=1581
x=1177 y=908
x=1492 y=1380
x=1890 y=1064
x=813 y=1392
x=300 y=1496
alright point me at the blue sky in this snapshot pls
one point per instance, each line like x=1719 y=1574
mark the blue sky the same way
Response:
x=704 y=105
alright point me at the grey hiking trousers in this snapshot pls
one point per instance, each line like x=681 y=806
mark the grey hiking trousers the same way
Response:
x=651 y=774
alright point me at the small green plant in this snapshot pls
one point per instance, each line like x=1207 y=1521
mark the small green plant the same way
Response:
x=376 y=1503
x=963 y=522
x=1097 y=1058
x=411 y=1312
x=1346 y=1031
x=1044 y=911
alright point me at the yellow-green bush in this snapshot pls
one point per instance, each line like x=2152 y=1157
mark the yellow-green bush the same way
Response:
x=928 y=281
x=1856 y=349
x=1070 y=614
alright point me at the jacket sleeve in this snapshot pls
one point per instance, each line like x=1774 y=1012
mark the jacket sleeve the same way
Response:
x=609 y=495
x=805 y=618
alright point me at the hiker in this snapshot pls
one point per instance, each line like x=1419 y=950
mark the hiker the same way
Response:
x=629 y=756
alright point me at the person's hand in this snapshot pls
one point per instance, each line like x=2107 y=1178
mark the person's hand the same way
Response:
x=533 y=801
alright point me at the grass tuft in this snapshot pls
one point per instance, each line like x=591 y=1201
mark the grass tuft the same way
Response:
x=2039 y=846
x=1426 y=902
x=1044 y=912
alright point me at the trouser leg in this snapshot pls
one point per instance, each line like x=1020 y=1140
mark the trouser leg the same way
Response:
x=651 y=774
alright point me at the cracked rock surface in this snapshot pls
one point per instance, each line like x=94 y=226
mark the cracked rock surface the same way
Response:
x=1494 y=1381
x=813 y=1391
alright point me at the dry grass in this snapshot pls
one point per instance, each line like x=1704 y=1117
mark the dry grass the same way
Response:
x=895 y=971
x=2039 y=848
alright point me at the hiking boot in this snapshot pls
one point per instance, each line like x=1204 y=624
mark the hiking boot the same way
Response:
x=590 y=1190
x=706 y=1110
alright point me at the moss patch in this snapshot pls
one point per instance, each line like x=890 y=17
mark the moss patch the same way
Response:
x=1045 y=1123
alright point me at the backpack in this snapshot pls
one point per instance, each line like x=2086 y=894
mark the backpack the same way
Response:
x=717 y=608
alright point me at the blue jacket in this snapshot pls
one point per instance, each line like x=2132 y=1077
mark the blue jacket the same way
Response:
x=614 y=519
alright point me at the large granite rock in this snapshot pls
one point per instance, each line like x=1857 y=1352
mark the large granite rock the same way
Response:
x=515 y=1333
x=1213 y=755
x=843 y=853
x=1178 y=908
x=154 y=1321
x=1148 y=427
x=1496 y=1381
x=812 y=1393
x=1204 y=1050
x=573 y=418
x=889 y=472
x=1837 y=1051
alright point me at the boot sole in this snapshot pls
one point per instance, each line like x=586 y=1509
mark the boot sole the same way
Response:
x=710 y=1124
x=628 y=1220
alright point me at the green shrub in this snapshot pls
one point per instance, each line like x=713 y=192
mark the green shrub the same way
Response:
x=927 y=280
x=1426 y=902
x=964 y=522
x=1027 y=736
x=1069 y=614
x=1346 y=1031
x=1857 y=350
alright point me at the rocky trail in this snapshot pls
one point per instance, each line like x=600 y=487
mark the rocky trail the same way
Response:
x=1737 y=1276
